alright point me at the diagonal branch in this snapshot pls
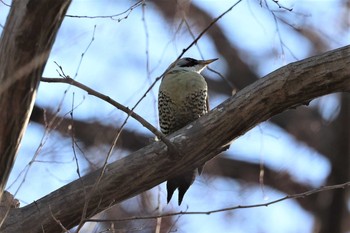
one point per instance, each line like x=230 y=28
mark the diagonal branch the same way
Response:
x=121 y=107
x=288 y=87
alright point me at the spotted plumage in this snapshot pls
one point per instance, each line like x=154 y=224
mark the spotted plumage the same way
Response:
x=183 y=98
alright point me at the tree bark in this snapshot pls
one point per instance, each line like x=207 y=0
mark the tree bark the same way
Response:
x=288 y=87
x=25 y=45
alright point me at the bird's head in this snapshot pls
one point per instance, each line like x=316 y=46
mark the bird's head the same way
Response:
x=191 y=64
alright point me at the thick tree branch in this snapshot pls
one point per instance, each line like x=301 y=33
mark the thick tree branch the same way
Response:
x=90 y=134
x=25 y=44
x=288 y=87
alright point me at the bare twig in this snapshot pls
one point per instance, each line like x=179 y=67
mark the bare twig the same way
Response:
x=275 y=18
x=121 y=107
x=281 y=6
x=112 y=17
x=207 y=28
x=83 y=54
x=145 y=27
x=73 y=139
x=5 y=3
x=292 y=196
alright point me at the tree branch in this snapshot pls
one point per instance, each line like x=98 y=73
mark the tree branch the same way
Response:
x=90 y=134
x=121 y=107
x=288 y=87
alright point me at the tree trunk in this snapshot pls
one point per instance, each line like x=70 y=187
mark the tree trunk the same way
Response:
x=25 y=45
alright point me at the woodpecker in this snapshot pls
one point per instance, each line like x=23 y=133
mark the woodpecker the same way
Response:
x=182 y=98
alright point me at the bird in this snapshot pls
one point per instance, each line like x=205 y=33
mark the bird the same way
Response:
x=182 y=98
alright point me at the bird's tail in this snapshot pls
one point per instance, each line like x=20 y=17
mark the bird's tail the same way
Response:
x=182 y=183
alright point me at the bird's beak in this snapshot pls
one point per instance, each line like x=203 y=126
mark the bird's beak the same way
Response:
x=207 y=62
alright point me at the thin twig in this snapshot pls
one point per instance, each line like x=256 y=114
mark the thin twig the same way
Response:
x=276 y=20
x=83 y=54
x=58 y=221
x=73 y=138
x=207 y=28
x=5 y=3
x=112 y=17
x=292 y=196
x=281 y=6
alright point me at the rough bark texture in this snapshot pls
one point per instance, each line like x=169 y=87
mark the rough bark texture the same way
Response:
x=291 y=86
x=25 y=44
